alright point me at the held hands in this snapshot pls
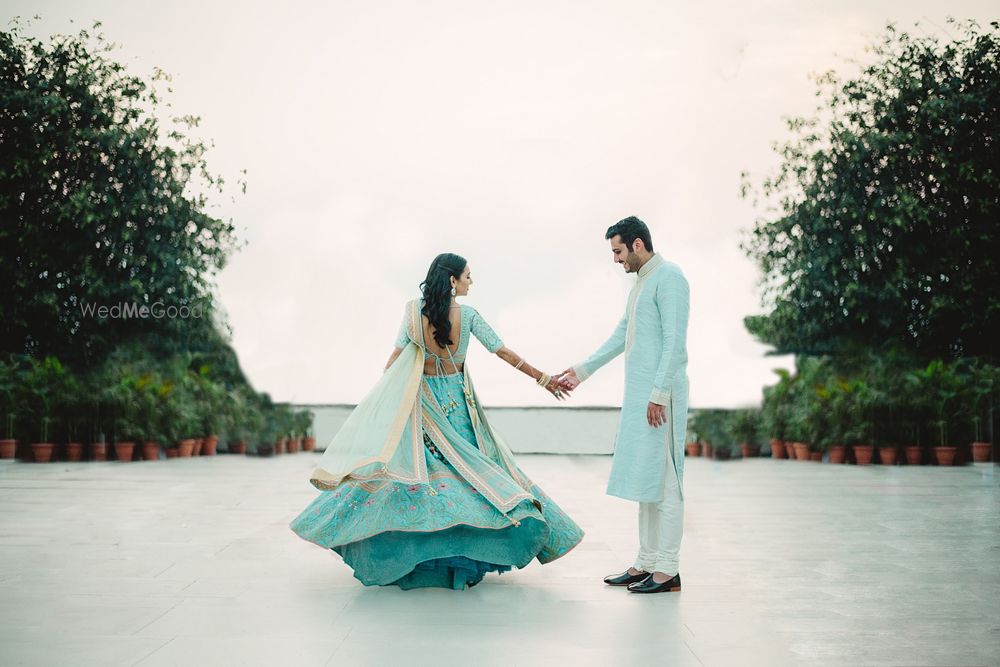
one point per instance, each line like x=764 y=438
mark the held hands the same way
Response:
x=567 y=380
x=552 y=386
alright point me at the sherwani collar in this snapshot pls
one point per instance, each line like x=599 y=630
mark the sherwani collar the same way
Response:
x=651 y=265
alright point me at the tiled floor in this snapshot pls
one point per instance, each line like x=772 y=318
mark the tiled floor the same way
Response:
x=191 y=562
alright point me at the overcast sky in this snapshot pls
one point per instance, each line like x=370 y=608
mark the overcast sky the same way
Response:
x=379 y=134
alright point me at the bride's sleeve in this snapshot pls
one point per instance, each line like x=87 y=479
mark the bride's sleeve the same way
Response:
x=403 y=337
x=484 y=333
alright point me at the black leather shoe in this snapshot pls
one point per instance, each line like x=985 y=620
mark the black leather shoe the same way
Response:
x=650 y=586
x=624 y=579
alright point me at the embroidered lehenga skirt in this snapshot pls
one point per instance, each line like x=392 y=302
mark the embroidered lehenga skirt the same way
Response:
x=442 y=533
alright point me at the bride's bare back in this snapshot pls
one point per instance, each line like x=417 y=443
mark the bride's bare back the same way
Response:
x=431 y=345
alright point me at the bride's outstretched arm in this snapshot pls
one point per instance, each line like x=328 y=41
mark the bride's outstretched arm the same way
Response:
x=396 y=351
x=518 y=362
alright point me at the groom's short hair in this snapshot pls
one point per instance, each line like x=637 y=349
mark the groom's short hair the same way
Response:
x=630 y=229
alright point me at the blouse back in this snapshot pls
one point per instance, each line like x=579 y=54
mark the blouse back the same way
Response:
x=471 y=322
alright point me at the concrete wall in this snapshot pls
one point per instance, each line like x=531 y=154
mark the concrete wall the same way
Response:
x=526 y=430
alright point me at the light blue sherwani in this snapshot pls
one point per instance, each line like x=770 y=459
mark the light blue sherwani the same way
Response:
x=653 y=336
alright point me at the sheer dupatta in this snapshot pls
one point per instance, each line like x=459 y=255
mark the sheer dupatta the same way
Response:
x=383 y=438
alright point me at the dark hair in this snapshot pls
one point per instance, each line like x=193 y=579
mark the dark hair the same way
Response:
x=630 y=229
x=437 y=294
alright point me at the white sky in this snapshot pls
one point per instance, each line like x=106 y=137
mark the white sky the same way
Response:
x=378 y=134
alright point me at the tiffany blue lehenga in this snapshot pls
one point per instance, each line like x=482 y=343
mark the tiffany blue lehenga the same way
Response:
x=419 y=490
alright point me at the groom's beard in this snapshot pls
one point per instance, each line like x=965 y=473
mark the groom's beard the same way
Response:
x=632 y=263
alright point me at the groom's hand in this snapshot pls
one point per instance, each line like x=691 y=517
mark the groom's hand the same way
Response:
x=656 y=415
x=567 y=379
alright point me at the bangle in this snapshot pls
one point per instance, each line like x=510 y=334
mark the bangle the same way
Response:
x=519 y=364
x=543 y=380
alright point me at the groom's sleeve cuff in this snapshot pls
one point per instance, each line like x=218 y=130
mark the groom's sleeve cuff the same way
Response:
x=659 y=397
x=581 y=372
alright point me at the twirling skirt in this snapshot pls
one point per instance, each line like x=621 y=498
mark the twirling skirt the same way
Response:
x=442 y=534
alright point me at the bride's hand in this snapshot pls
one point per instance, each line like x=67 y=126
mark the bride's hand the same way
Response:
x=554 y=388
x=567 y=379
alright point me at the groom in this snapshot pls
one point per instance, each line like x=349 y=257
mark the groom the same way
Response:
x=648 y=464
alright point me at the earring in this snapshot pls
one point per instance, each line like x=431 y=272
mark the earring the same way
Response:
x=454 y=291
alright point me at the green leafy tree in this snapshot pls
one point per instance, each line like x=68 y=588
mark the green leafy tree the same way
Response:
x=881 y=225
x=100 y=204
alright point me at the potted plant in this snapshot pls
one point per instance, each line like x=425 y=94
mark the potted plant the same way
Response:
x=209 y=398
x=841 y=424
x=691 y=445
x=92 y=401
x=857 y=429
x=185 y=412
x=875 y=407
x=73 y=406
x=775 y=413
x=818 y=424
x=797 y=394
x=983 y=386
x=247 y=422
x=744 y=426
x=268 y=435
x=910 y=406
x=146 y=394
x=10 y=382
x=941 y=387
x=175 y=416
x=301 y=419
x=798 y=433
x=125 y=394
x=705 y=424
x=283 y=423
x=46 y=382
x=309 y=442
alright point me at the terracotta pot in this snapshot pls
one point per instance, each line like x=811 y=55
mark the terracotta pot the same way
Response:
x=280 y=446
x=42 y=451
x=198 y=444
x=309 y=444
x=208 y=449
x=238 y=447
x=294 y=445
x=706 y=449
x=838 y=453
x=887 y=455
x=123 y=450
x=7 y=448
x=151 y=451
x=172 y=452
x=862 y=454
x=185 y=447
x=749 y=450
x=693 y=449
x=816 y=456
x=945 y=456
x=801 y=451
x=981 y=451
x=74 y=451
x=914 y=455
x=778 y=449
x=98 y=451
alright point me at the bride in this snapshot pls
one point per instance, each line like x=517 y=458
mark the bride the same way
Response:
x=418 y=489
